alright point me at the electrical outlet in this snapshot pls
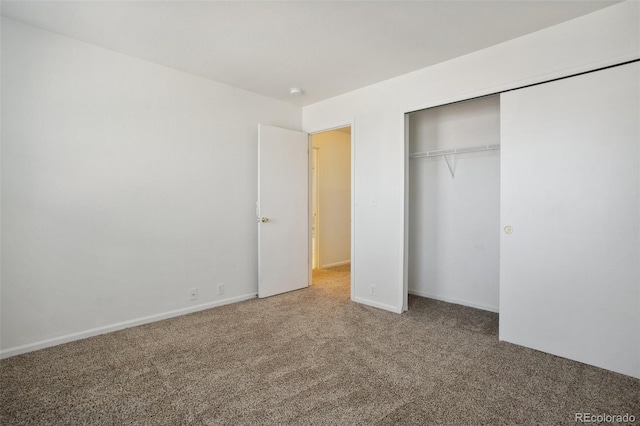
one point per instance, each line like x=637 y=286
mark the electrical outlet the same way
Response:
x=220 y=289
x=194 y=293
x=373 y=290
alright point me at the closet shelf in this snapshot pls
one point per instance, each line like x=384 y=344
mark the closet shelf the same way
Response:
x=447 y=152
x=455 y=151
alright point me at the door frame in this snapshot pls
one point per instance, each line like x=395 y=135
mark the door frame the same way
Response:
x=315 y=201
x=328 y=128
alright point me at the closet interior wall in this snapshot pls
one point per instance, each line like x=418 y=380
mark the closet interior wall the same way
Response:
x=454 y=203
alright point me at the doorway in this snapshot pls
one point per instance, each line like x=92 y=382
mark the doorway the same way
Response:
x=453 y=203
x=331 y=204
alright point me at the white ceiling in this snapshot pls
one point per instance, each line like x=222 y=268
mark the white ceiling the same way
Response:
x=324 y=47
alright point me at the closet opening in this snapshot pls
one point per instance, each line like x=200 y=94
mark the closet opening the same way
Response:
x=452 y=208
x=331 y=180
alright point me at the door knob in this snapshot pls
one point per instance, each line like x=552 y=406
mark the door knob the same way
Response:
x=264 y=219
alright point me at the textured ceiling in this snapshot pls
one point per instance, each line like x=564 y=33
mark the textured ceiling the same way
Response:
x=326 y=48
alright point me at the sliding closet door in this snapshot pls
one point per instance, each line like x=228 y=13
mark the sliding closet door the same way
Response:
x=570 y=244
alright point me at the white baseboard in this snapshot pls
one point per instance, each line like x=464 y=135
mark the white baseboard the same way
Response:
x=333 y=265
x=454 y=300
x=18 y=350
x=373 y=303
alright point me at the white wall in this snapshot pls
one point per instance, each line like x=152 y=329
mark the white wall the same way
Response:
x=124 y=184
x=454 y=221
x=602 y=38
x=334 y=197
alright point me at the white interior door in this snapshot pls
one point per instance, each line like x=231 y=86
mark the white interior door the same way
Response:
x=570 y=212
x=283 y=210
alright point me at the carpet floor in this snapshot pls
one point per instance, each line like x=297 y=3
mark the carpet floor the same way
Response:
x=304 y=358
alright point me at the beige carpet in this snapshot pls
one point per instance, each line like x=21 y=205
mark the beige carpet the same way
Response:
x=308 y=357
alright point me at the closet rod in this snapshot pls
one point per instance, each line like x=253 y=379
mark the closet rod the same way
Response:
x=455 y=151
